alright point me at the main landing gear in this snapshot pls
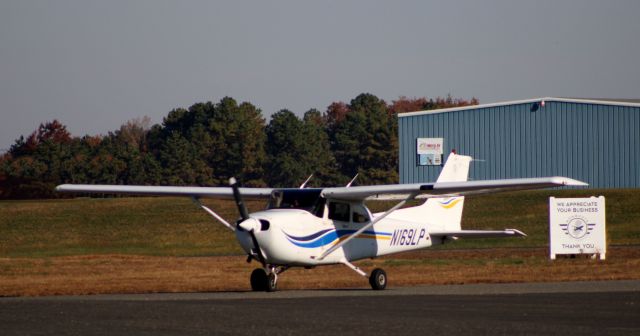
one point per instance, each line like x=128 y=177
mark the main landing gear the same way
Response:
x=266 y=280
x=377 y=279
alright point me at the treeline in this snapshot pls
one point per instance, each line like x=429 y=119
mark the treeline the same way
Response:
x=209 y=142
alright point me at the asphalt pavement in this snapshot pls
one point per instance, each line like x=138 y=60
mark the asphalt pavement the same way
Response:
x=515 y=309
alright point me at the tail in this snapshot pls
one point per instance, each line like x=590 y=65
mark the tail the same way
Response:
x=442 y=213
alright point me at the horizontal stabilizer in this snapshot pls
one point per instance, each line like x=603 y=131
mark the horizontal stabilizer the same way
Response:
x=478 y=234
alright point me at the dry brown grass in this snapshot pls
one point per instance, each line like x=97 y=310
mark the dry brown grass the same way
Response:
x=100 y=274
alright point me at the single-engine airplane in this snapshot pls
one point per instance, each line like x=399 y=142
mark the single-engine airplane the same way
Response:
x=309 y=227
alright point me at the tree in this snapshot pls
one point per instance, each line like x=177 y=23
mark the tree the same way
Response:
x=318 y=150
x=134 y=132
x=365 y=142
x=180 y=166
x=336 y=113
x=22 y=178
x=224 y=140
x=297 y=148
x=34 y=166
x=4 y=159
x=238 y=140
x=208 y=143
x=287 y=162
x=404 y=104
x=53 y=132
x=128 y=146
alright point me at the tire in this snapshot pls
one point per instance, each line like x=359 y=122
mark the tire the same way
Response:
x=271 y=283
x=378 y=279
x=258 y=280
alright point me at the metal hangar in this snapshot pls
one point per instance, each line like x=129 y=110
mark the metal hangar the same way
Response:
x=593 y=140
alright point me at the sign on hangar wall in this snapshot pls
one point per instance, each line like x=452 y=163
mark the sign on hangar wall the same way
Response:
x=576 y=226
x=429 y=151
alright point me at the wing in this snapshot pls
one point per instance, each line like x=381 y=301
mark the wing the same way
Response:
x=445 y=189
x=204 y=192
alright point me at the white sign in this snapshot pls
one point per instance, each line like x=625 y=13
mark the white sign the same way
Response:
x=429 y=151
x=577 y=225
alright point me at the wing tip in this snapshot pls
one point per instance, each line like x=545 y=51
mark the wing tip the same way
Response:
x=516 y=232
x=565 y=181
x=61 y=188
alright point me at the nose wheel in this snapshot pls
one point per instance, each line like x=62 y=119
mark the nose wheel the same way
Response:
x=258 y=280
x=265 y=281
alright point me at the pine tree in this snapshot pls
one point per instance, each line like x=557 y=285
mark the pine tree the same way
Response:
x=286 y=160
x=365 y=141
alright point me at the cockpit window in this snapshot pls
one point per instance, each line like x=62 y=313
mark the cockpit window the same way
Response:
x=318 y=209
x=339 y=211
x=304 y=199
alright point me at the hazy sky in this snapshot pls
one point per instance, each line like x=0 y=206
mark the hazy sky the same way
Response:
x=96 y=64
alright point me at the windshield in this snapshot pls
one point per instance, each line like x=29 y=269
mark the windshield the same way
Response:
x=304 y=199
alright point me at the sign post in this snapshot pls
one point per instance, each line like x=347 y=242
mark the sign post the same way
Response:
x=576 y=226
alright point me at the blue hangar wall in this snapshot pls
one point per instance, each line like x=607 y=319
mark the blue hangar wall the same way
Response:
x=595 y=141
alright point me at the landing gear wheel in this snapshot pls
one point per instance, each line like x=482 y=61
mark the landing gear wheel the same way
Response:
x=378 y=279
x=271 y=282
x=259 y=280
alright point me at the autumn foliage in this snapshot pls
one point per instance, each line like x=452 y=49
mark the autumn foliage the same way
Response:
x=209 y=142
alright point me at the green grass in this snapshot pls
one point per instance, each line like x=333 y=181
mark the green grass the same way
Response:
x=529 y=212
x=148 y=226
x=176 y=227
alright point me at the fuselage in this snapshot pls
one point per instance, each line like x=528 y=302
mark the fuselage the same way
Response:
x=296 y=237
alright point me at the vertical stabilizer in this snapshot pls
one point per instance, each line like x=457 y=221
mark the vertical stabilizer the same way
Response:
x=456 y=169
x=443 y=213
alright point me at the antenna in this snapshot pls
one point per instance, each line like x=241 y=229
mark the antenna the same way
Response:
x=304 y=184
x=352 y=180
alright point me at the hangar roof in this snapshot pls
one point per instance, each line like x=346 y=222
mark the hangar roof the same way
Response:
x=600 y=101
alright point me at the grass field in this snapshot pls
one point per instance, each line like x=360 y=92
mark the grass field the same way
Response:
x=177 y=227
x=124 y=245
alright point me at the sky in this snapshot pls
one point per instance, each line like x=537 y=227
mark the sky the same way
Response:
x=93 y=65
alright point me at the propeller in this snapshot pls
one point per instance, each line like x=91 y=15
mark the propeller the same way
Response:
x=244 y=214
x=246 y=223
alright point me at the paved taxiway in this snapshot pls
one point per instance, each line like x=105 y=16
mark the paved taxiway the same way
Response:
x=535 y=308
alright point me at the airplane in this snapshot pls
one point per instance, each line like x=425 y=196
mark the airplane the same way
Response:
x=309 y=227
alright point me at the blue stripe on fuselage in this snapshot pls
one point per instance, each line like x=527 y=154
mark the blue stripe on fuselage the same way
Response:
x=326 y=237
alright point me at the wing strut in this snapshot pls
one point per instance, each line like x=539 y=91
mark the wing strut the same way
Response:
x=364 y=228
x=212 y=213
x=353 y=267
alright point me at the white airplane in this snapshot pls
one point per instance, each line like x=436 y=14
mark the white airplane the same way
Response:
x=308 y=227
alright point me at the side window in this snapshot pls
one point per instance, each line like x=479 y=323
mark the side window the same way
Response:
x=339 y=211
x=360 y=215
